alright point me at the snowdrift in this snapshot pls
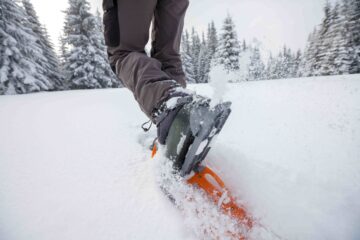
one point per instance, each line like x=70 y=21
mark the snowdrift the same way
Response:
x=76 y=165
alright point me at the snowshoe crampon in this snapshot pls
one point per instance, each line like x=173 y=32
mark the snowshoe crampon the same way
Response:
x=207 y=180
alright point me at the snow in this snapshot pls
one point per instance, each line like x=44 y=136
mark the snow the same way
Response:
x=181 y=143
x=218 y=72
x=199 y=214
x=220 y=88
x=202 y=146
x=218 y=75
x=76 y=165
x=172 y=102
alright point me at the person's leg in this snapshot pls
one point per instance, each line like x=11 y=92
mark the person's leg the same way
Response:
x=156 y=80
x=141 y=74
x=166 y=36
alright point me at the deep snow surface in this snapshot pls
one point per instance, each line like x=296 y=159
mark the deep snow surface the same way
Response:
x=74 y=165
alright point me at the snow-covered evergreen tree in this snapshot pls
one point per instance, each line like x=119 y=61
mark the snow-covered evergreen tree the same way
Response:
x=256 y=68
x=195 y=42
x=279 y=66
x=228 y=51
x=196 y=56
x=334 y=48
x=20 y=53
x=323 y=43
x=287 y=63
x=63 y=49
x=342 y=45
x=308 y=60
x=103 y=65
x=212 y=38
x=86 y=64
x=50 y=61
x=244 y=45
x=353 y=17
x=296 y=63
x=205 y=56
x=336 y=39
x=195 y=53
x=186 y=58
x=271 y=68
x=100 y=20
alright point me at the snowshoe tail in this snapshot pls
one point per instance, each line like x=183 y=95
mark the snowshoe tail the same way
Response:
x=207 y=180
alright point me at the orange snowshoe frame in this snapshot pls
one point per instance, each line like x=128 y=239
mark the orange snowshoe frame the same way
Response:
x=207 y=180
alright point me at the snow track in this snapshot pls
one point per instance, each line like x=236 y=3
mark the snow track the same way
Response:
x=73 y=165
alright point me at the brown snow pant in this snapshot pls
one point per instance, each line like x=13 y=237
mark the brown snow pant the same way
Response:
x=126 y=29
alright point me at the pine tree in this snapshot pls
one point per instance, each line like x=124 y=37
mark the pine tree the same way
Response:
x=99 y=19
x=297 y=61
x=195 y=53
x=353 y=17
x=63 y=52
x=208 y=52
x=271 y=68
x=287 y=63
x=50 y=61
x=291 y=63
x=309 y=59
x=104 y=71
x=186 y=58
x=342 y=46
x=204 y=62
x=256 y=68
x=323 y=43
x=229 y=47
x=244 y=46
x=212 y=39
x=280 y=66
x=19 y=53
x=334 y=49
x=86 y=63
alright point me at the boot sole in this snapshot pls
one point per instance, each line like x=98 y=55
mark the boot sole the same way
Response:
x=202 y=140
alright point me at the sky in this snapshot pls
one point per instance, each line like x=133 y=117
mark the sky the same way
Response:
x=272 y=22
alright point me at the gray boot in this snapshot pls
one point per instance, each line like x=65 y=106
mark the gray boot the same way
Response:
x=188 y=131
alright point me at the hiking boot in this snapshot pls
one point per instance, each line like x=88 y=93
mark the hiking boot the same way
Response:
x=188 y=131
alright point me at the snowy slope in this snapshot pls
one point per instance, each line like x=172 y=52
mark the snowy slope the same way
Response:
x=73 y=165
